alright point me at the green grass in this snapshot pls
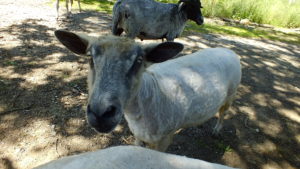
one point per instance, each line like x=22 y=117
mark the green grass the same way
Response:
x=217 y=145
x=274 y=12
x=98 y=5
x=241 y=31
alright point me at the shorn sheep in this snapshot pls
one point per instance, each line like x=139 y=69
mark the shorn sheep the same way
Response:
x=129 y=157
x=156 y=99
x=67 y=6
x=148 y=19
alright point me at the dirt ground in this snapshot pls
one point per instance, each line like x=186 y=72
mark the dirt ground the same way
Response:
x=43 y=95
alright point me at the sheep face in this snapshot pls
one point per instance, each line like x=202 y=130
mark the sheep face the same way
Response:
x=116 y=66
x=192 y=8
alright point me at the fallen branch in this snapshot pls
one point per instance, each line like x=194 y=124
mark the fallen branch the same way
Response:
x=16 y=109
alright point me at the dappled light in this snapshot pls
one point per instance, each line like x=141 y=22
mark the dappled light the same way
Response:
x=43 y=96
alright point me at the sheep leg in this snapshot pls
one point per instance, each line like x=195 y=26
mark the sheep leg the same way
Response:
x=132 y=33
x=139 y=142
x=79 y=5
x=57 y=8
x=163 y=144
x=132 y=28
x=71 y=4
x=222 y=112
x=67 y=5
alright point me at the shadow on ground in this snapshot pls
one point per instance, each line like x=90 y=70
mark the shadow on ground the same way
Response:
x=43 y=95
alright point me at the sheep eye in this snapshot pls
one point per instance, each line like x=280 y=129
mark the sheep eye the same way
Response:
x=135 y=66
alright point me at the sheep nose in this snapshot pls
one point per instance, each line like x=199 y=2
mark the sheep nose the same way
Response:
x=109 y=112
x=200 y=20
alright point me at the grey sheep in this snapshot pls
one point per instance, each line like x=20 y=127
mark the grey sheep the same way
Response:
x=148 y=19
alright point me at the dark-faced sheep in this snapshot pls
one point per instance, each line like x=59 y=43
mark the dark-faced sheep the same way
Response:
x=148 y=19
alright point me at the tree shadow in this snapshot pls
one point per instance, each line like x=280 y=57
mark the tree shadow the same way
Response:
x=43 y=95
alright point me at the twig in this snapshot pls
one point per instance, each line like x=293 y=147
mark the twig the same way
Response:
x=125 y=140
x=246 y=124
x=17 y=109
x=56 y=145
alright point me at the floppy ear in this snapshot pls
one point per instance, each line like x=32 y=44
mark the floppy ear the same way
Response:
x=162 y=52
x=72 y=41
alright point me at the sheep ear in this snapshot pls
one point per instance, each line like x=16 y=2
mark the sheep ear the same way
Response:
x=72 y=41
x=180 y=5
x=163 y=52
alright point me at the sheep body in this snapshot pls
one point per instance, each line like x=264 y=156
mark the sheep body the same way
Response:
x=183 y=92
x=129 y=157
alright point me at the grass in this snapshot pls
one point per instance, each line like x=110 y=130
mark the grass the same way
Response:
x=217 y=145
x=273 y=12
x=241 y=31
x=98 y=5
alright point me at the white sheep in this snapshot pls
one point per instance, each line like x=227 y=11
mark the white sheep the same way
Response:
x=156 y=100
x=129 y=157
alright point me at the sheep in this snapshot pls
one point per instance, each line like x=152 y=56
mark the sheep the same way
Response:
x=156 y=99
x=148 y=19
x=67 y=6
x=129 y=157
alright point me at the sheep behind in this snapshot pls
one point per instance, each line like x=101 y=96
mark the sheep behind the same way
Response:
x=129 y=157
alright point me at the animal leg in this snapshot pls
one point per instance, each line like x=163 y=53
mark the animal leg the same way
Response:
x=133 y=29
x=163 y=144
x=222 y=112
x=79 y=5
x=170 y=39
x=57 y=9
x=71 y=4
x=138 y=142
x=132 y=33
x=67 y=5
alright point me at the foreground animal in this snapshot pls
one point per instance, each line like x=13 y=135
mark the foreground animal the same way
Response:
x=129 y=157
x=67 y=6
x=159 y=99
x=148 y=19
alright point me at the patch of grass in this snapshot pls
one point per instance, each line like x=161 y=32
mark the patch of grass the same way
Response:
x=216 y=145
x=244 y=32
x=98 y=5
x=10 y=63
x=221 y=146
x=274 y=12
x=202 y=144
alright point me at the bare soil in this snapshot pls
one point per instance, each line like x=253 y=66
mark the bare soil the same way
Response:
x=43 y=95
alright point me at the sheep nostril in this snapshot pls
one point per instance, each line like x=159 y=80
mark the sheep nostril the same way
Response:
x=110 y=112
